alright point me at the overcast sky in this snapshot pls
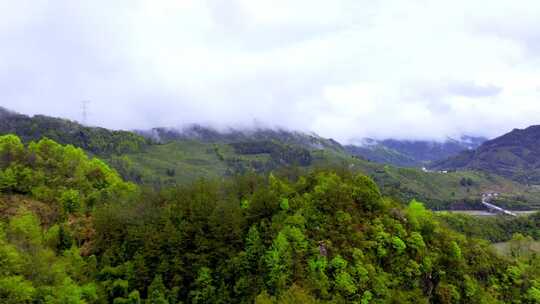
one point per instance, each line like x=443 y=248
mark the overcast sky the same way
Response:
x=343 y=69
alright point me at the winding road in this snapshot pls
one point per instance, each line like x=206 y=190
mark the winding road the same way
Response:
x=490 y=206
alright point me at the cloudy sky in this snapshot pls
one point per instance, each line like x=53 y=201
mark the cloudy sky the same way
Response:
x=344 y=69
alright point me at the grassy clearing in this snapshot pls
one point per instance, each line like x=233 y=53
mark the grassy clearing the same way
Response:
x=526 y=249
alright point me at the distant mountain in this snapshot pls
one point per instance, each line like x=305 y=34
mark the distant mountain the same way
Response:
x=96 y=140
x=168 y=156
x=515 y=155
x=209 y=135
x=412 y=153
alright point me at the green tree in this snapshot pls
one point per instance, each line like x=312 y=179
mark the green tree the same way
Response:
x=11 y=150
x=16 y=290
x=70 y=200
x=203 y=289
x=157 y=292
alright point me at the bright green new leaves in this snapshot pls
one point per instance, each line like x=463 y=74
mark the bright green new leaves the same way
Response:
x=54 y=173
x=29 y=267
x=338 y=263
x=8 y=179
x=24 y=231
x=203 y=290
x=398 y=245
x=284 y=204
x=11 y=149
x=416 y=242
x=16 y=290
x=366 y=193
x=38 y=261
x=326 y=237
x=71 y=200
x=345 y=283
x=533 y=293
x=455 y=251
x=157 y=292
x=278 y=261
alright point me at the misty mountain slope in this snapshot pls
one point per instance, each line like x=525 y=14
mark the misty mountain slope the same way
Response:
x=183 y=157
x=183 y=161
x=96 y=140
x=412 y=153
x=408 y=153
x=211 y=135
x=515 y=155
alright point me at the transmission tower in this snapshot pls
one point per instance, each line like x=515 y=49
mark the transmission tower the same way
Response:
x=85 y=111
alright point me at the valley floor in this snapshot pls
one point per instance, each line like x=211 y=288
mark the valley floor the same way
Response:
x=487 y=213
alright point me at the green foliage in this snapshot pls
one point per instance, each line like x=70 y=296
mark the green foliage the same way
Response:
x=157 y=291
x=70 y=200
x=447 y=293
x=8 y=180
x=58 y=174
x=338 y=240
x=15 y=290
x=513 y=155
x=322 y=237
x=492 y=228
x=11 y=149
x=38 y=263
x=345 y=283
x=24 y=231
x=398 y=245
x=284 y=204
x=30 y=270
x=279 y=153
x=244 y=204
x=455 y=251
x=203 y=290
x=95 y=140
x=193 y=158
x=293 y=295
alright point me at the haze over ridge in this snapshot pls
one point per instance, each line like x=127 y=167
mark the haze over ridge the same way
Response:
x=348 y=69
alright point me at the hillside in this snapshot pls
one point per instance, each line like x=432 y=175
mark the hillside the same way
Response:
x=71 y=231
x=412 y=153
x=515 y=155
x=211 y=135
x=100 y=141
x=171 y=157
x=182 y=161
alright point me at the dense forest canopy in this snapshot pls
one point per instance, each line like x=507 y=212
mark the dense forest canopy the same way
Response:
x=515 y=155
x=165 y=157
x=96 y=140
x=72 y=231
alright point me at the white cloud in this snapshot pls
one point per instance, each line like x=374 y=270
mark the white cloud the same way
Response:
x=345 y=69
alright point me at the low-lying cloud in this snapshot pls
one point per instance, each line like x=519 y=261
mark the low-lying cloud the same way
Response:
x=344 y=69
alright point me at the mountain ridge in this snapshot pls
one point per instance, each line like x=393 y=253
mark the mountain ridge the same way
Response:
x=97 y=140
x=202 y=133
x=515 y=155
x=203 y=154
x=412 y=153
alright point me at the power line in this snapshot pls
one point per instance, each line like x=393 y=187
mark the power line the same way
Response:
x=85 y=111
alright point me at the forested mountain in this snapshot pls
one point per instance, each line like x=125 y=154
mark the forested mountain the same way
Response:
x=166 y=157
x=515 y=155
x=181 y=162
x=99 y=141
x=71 y=231
x=211 y=135
x=412 y=153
